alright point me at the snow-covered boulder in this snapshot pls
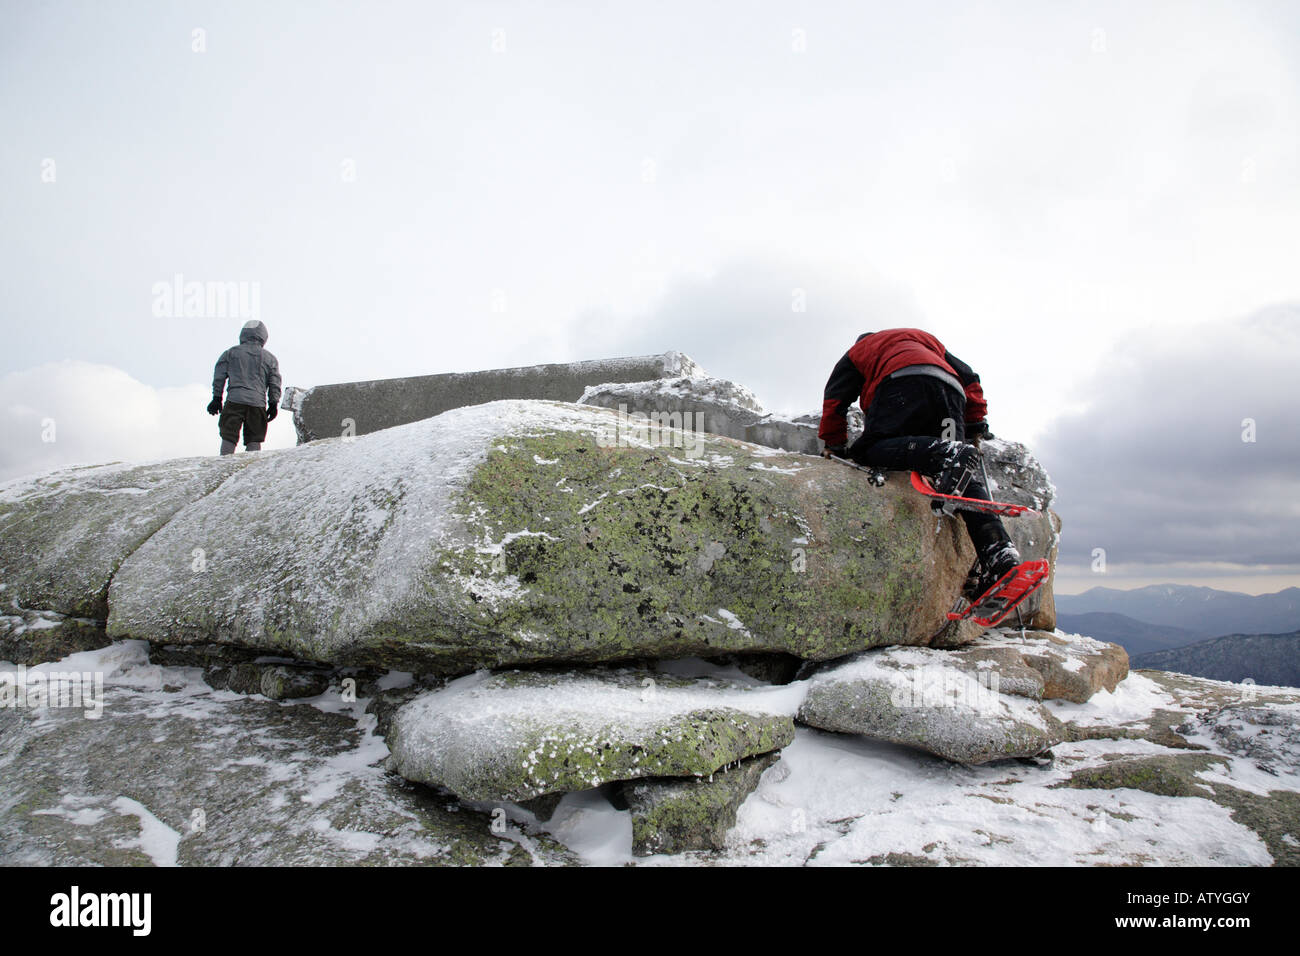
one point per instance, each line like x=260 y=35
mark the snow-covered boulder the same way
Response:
x=712 y=404
x=63 y=535
x=1073 y=667
x=525 y=532
x=987 y=662
x=1045 y=665
x=720 y=407
x=519 y=735
x=919 y=698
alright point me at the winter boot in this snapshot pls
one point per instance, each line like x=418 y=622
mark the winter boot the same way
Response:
x=995 y=556
x=957 y=467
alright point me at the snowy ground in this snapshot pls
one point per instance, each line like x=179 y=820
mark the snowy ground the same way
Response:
x=303 y=782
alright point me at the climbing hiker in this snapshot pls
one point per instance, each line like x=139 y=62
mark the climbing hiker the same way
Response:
x=925 y=412
x=252 y=393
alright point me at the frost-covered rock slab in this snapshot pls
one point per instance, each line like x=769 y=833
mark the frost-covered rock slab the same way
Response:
x=714 y=405
x=527 y=532
x=674 y=816
x=919 y=698
x=1073 y=667
x=519 y=735
x=672 y=394
x=364 y=407
x=1002 y=668
x=63 y=535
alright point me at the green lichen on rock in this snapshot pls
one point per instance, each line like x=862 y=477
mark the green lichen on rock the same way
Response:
x=512 y=533
x=36 y=637
x=614 y=553
x=1166 y=775
x=674 y=816
x=522 y=735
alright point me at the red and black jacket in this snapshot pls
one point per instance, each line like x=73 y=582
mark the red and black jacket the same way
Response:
x=876 y=355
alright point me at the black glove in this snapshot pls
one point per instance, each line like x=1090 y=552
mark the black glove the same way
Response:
x=834 y=451
x=271 y=412
x=977 y=432
x=214 y=406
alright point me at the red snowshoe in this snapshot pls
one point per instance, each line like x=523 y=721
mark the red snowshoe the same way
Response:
x=990 y=608
x=947 y=504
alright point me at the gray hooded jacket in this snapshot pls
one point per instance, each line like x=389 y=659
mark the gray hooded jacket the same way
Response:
x=252 y=371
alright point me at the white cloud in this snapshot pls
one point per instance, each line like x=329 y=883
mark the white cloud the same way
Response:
x=74 y=412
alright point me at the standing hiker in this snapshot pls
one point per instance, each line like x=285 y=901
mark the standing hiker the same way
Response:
x=925 y=412
x=253 y=395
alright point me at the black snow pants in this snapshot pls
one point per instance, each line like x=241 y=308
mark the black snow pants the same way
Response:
x=905 y=426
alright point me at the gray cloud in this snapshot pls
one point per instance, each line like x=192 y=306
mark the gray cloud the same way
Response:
x=1155 y=469
x=742 y=324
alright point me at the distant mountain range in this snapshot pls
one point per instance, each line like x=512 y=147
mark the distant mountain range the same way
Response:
x=1262 y=658
x=1165 y=627
x=1204 y=612
x=1136 y=637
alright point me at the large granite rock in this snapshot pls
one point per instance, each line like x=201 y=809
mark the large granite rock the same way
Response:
x=529 y=532
x=725 y=408
x=64 y=534
x=519 y=735
x=920 y=698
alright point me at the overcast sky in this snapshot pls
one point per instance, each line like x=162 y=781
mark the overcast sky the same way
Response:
x=1093 y=204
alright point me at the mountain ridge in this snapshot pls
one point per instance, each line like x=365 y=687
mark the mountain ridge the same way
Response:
x=1205 y=612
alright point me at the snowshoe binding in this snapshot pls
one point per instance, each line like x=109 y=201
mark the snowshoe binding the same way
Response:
x=1006 y=594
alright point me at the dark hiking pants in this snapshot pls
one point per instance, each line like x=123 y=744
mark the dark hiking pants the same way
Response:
x=251 y=418
x=908 y=420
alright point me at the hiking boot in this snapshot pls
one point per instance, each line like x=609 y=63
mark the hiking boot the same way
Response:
x=994 y=563
x=960 y=462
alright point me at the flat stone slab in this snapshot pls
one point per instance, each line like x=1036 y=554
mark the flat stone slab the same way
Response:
x=919 y=698
x=359 y=408
x=710 y=404
x=519 y=735
x=1073 y=667
x=674 y=816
